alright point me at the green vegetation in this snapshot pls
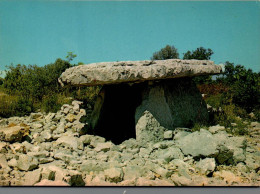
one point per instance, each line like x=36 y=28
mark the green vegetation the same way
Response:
x=28 y=88
x=168 y=52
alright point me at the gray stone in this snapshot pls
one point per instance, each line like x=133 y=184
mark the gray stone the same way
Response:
x=168 y=134
x=46 y=135
x=167 y=154
x=32 y=177
x=17 y=148
x=198 y=144
x=93 y=165
x=3 y=147
x=103 y=146
x=134 y=171
x=180 y=135
x=114 y=174
x=3 y=162
x=206 y=166
x=136 y=71
x=216 y=128
x=12 y=163
x=12 y=134
x=148 y=129
x=68 y=142
x=26 y=163
x=49 y=117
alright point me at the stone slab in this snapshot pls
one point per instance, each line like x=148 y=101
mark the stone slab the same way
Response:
x=136 y=71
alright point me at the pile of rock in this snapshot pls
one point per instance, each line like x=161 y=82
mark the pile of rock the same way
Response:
x=53 y=149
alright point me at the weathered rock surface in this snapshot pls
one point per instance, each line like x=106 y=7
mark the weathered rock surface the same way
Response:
x=13 y=133
x=136 y=71
x=199 y=144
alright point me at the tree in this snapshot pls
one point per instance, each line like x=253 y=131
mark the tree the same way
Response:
x=70 y=56
x=199 y=54
x=1 y=81
x=168 y=52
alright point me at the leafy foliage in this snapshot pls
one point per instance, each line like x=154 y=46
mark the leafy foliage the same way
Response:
x=168 y=52
x=199 y=54
x=244 y=86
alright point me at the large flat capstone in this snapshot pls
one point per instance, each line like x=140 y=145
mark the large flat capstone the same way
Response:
x=136 y=71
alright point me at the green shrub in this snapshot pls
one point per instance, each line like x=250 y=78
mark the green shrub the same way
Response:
x=53 y=102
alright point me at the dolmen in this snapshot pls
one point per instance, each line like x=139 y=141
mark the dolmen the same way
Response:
x=143 y=99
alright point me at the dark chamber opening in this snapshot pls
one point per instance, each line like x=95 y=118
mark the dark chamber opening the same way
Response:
x=117 y=115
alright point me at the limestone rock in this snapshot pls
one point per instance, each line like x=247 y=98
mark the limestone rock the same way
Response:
x=198 y=144
x=216 y=128
x=3 y=147
x=148 y=129
x=68 y=142
x=26 y=163
x=206 y=166
x=168 y=134
x=136 y=71
x=32 y=177
x=173 y=103
x=3 y=162
x=114 y=174
x=13 y=134
x=103 y=146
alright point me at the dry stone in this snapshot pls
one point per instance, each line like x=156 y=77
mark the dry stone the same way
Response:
x=199 y=144
x=26 y=163
x=136 y=71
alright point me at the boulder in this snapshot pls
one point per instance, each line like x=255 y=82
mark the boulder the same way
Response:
x=32 y=177
x=168 y=135
x=199 y=144
x=148 y=129
x=103 y=146
x=68 y=142
x=206 y=166
x=13 y=134
x=114 y=174
x=26 y=163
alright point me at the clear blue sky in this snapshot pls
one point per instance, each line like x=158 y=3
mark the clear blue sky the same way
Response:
x=40 y=32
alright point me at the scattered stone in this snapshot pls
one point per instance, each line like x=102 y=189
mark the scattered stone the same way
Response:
x=26 y=162
x=114 y=174
x=216 y=128
x=12 y=134
x=198 y=144
x=148 y=129
x=206 y=166
x=32 y=177
x=168 y=135
x=103 y=146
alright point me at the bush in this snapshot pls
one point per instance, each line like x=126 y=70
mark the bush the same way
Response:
x=168 y=52
x=53 y=102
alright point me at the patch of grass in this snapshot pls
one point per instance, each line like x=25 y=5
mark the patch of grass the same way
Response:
x=199 y=126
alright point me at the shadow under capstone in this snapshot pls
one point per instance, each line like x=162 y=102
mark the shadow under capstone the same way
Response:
x=114 y=113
